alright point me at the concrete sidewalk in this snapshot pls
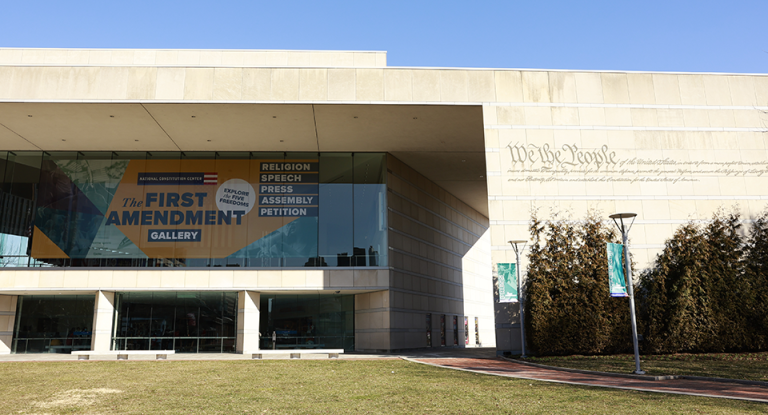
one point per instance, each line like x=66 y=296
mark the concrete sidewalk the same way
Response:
x=501 y=367
x=65 y=357
x=417 y=353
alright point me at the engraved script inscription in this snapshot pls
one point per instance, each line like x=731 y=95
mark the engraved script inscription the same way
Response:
x=570 y=163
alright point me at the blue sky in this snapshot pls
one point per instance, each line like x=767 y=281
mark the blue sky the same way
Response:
x=696 y=36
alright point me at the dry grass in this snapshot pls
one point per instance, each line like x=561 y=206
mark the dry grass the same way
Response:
x=284 y=386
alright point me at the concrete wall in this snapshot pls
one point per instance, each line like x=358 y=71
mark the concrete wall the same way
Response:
x=7 y=320
x=669 y=147
x=372 y=322
x=478 y=293
x=191 y=57
x=439 y=256
x=149 y=279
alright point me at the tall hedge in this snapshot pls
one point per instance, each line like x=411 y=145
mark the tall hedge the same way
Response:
x=568 y=305
x=706 y=291
x=674 y=302
x=728 y=287
x=756 y=276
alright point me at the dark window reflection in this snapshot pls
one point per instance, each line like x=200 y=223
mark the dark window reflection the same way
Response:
x=336 y=245
x=18 y=195
x=370 y=210
x=53 y=323
x=318 y=321
x=188 y=322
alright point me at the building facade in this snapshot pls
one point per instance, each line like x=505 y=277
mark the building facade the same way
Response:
x=226 y=201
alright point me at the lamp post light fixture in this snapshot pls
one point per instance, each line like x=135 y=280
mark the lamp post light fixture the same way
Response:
x=521 y=298
x=618 y=219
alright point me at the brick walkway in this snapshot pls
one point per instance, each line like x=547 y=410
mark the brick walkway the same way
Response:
x=708 y=388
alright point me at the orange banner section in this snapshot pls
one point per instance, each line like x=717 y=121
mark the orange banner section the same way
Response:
x=205 y=208
x=44 y=247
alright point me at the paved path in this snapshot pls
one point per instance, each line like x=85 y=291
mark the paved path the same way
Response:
x=506 y=368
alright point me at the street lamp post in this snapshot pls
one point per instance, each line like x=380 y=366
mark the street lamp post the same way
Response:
x=520 y=296
x=618 y=219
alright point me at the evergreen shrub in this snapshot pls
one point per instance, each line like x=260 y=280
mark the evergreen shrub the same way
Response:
x=707 y=291
x=568 y=306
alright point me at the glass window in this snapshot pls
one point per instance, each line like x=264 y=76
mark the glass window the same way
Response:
x=53 y=323
x=262 y=248
x=442 y=330
x=370 y=210
x=74 y=195
x=455 y=331
x=307 y=321
x=188 y=322
x=3 y=165
x=193 y=209
x=205 y=161
x=336 y=244
x=429 y=330
x=300 y=235
x=17 y=204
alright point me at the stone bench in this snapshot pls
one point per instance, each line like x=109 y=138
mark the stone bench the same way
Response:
x=123 y=354
x=296 y=354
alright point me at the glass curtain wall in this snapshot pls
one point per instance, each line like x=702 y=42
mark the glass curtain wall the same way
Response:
x=53 y=323
x=20 y=174
x=202 y=209
x=307 y=321
x=187 y=322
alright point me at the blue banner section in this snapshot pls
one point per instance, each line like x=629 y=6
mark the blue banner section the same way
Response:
x=171 y=179
x=288 y=189
x=288 y=200
x=287 y=211
x=289 y=166
x=177 y=235
x=288 y=178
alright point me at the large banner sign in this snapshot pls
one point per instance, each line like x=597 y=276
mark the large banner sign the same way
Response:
x=175 y=208
x=507 y=281
x=616 y=270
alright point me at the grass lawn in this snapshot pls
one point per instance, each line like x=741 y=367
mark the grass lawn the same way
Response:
x=285 y=386
x=749 y=366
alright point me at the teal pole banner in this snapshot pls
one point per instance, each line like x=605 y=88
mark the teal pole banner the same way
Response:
x=507 y=283
x=616 y=271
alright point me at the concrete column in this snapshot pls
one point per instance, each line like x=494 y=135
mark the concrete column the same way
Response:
x=103 y=317
x=7 y=320
x=248 y=315
x=372 y=322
